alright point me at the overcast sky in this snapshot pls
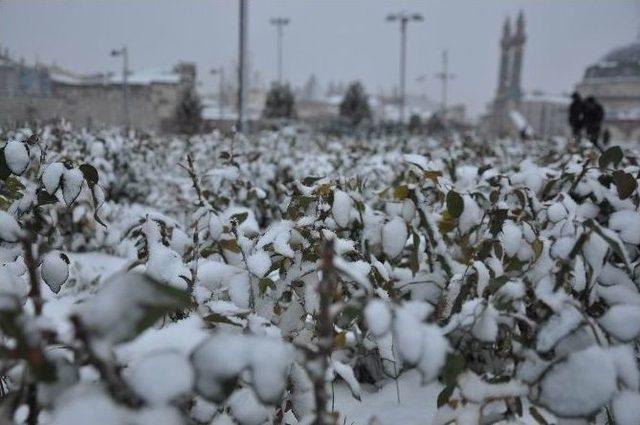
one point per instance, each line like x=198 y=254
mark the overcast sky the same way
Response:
x=335 y=39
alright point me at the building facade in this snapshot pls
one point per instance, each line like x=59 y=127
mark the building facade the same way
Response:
x=41 y=93
x=615 y=82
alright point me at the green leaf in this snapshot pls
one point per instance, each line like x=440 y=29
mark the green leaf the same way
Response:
x=4 y=168
x=44 y=198
x=497 y=248
x=348 y=315
x=240 y=217
x=514 y=265
x=308 y=181
x=625 y=183
x=90 y=174
x=166 y=300
x=209 y=250
x=453 y=367
x=496 y=221
x=495 y=284
x=401 y=192
x=433 y=175
x=484 y=249
x=537 y=416
x=413 y=259
x=537 y=246
x=613 y=155
x=455 y=204
x=216 y=318
x=230 y=245
x=266 y=283
x=447 y=223
x=494 y=196
x=445 y=395
x=616 y=246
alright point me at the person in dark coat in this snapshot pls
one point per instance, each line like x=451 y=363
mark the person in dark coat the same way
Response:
x=576 y=115
x=593 y=117
x=606 y=137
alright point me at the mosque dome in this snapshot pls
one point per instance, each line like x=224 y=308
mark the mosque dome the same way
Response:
x=621 y=62
x=628 y=53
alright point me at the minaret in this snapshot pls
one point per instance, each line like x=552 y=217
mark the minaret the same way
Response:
x=503 y=73
x=519 y=39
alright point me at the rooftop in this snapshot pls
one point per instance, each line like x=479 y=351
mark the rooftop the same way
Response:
x=621 y=62
x=134 y=77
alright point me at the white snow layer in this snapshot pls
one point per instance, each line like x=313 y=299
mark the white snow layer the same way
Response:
x=55 y=270
x=394 y=237
x=16 y=155
x=342 y=205
x=581 y=384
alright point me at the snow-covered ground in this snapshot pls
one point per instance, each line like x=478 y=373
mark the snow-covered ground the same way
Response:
x=212 y=280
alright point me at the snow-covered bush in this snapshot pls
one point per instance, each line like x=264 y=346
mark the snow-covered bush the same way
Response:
x=258 y=272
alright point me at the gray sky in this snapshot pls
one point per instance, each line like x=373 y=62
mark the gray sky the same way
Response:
x=335 y=39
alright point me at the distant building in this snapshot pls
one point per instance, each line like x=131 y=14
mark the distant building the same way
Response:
x=514 y=112
x=615 y=82
x=43 y=93
x=545 y=114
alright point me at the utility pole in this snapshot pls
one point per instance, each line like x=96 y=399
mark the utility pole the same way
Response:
x=221 y=92
x=445 y=76
x=279 y=22
x=404 y=19
x=242 y=65
x=124 y=52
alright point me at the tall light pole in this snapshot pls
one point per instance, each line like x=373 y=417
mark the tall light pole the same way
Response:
x=242 y=64
x=124 y=52
x=221 y=94
x=445 y=76
x=404 y=19
x=279 y=22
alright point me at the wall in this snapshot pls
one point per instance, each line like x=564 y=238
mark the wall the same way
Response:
x=150 y=106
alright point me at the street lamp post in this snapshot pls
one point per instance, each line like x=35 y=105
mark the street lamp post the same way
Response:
x=445 y=77
x=279 y=22
x=404 y=19
x=221 y=94
x=124 y=52
x=242 y=64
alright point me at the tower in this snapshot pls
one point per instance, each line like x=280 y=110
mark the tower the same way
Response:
x=509 y=90
x=505 y=45
x=518 y=40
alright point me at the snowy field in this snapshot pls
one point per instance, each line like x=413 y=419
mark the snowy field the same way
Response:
x=293 y=278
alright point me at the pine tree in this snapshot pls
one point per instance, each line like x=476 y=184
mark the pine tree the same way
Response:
x=280 y=102
x=189 y=113
x=415 y=123
x=355 y=104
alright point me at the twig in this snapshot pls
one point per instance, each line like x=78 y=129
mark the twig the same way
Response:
x=191 y=170
x=32 y=266
x=320 y=359
x=116 y=385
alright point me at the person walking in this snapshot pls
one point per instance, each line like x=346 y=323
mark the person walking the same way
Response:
x=593 y=117
x=576 y=116
x=606 y=137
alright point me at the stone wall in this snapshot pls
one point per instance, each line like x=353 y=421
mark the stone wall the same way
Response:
x=546 y=118
x=151 y=107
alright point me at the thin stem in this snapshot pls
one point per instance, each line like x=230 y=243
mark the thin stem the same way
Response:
x=325 y=333
x=32 y=267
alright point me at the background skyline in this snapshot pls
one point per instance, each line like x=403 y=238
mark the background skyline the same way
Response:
x=338 y=41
